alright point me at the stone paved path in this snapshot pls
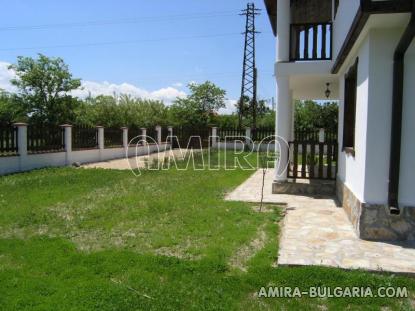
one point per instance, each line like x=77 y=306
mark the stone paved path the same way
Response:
x=317 y=232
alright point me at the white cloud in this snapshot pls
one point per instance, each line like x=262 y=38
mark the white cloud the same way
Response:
x=230 y=107
x=5 y=76
x=178 y=84
x=167 y=94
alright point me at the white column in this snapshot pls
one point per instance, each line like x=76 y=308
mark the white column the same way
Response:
x=283 y=30
x=21 y=144
x=283 y=124
x=158 y=129
x=68 y=142
x=214 y=137
x=144 y=135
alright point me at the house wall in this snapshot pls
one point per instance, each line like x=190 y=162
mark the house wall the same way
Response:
x=382 y=46
x=367 y=174
x=363 y=180
x=407 y=173
x=351 y=170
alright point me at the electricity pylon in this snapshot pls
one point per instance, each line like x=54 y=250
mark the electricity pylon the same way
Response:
x=249 y=71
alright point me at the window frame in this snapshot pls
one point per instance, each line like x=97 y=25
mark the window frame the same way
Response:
x=350 y=104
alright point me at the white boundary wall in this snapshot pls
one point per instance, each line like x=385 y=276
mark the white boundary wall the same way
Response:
x=26 y=162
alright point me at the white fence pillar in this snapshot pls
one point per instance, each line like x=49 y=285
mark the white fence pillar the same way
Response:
x=321 y=136
x=248 y=140
x=158 y=130
x=125 y=141
x=101 y=142
x=214 y=137
x=67 y=138
x=144 y=135
x=170 y=136
x=125 y=137
x=21 y=144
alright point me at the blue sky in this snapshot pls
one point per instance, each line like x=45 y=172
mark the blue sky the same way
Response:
x=154 y=46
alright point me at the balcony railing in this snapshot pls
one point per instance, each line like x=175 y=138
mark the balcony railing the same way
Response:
x=311 y=42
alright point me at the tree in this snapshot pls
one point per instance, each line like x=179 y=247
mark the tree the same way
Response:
x=123 y=110
x=311 y=115
x=11 y=108
x=200 y=106
x=44 y=86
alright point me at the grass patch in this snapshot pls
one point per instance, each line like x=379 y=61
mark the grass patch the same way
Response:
x=92 y=239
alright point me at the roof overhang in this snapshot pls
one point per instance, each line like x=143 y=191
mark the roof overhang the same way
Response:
x=302 y=11
x=366 y=9
x=271 y=6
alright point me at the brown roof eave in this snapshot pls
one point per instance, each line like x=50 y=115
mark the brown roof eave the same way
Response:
x=367 y=8
x=271 y=6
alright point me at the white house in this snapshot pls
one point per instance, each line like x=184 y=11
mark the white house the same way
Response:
x=364 y=49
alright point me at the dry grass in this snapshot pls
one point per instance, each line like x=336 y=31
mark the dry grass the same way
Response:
x=245 y=253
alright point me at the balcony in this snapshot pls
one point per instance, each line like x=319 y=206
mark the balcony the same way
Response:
x=311 y=42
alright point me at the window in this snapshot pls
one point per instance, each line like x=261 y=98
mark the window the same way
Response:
x=349 y=124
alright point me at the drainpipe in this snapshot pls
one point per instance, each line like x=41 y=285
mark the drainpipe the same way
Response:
x=397 y=103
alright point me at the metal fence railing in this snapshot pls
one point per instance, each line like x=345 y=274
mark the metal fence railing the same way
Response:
x=312 y=135
x=113 y=137
x=164 y=134
x=151 y=136
x=330 y=136
x=192 y=137
x=84 y=137
x=306 y=135
x=231 y=134
x=8 y=140
x=134 y=135
x=263 y=134
x=42 y=138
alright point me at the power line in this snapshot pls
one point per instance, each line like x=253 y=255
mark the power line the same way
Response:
x=195 y=76
x=119 y=42
x=132 y=20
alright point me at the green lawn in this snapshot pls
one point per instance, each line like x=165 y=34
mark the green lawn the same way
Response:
x=77 y=239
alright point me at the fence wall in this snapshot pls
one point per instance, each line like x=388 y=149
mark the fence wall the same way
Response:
x=236 y=139
x=25 y=160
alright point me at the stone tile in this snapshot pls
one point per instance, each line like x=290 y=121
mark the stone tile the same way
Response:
x=318 y=232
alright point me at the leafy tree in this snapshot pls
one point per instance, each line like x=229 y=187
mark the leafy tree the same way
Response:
x=125 y=110
x=11 y=108
x=200 y=106
x=262 y=111
x=311 y=115
x=225 y=121
x=44 y=86
x=143 y=112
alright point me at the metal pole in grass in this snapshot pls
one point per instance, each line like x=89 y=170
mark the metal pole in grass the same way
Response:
x=263 y=164
x=263 y=160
